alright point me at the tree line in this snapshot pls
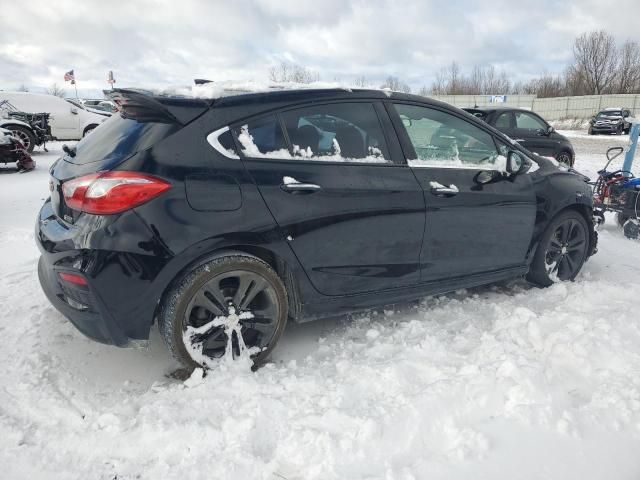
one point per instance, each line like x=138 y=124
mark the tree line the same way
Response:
x=599 y=66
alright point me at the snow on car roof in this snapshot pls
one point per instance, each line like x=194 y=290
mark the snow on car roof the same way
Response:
x=220 y=89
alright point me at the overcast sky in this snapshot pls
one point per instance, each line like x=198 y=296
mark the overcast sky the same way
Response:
x=160 y=43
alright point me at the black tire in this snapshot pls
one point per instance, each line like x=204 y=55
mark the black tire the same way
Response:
x=25 y=135
x=619 y=130
x=565 y=158
x=590 y=131
x=562 y=250
x=217 y=283
x=621 y=219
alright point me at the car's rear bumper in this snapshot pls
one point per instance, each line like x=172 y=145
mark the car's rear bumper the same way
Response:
x=80 y=306
x=118 y=302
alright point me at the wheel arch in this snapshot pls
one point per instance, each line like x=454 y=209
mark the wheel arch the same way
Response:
x=88 y=127
x=279 y=265
x=585 y=210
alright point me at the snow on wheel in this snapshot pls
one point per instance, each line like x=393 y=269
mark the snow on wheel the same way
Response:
x=232 y=306
x=562 y=250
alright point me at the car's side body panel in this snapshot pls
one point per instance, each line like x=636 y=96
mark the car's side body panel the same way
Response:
x=131 y=259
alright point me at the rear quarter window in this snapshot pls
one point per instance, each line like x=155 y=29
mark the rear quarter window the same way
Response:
x=118 y=138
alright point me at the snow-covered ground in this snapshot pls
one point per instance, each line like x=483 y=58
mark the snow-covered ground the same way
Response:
x=506 y=381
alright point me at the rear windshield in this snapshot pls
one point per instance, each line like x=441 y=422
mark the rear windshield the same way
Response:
x=118 y=138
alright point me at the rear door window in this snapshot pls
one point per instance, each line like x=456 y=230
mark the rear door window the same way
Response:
x=338 y=132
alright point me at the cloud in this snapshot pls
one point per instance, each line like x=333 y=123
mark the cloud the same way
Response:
x=159 y=43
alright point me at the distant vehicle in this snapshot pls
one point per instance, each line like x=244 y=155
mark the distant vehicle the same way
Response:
x=221 y=218
x=102 y=105
x=528 y=129
x=67 y=121
x=611 y=120
x=79 y=104
x=31 y=129
x=12 y=151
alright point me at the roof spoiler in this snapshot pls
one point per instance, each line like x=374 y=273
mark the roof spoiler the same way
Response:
x=143 y=106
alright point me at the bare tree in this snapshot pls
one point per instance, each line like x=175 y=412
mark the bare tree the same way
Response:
x=596 y=57
x=361 y=81
x=291 y=72
x=395 y=84
x=628 y=79
x=424 y=91
x=54 y=89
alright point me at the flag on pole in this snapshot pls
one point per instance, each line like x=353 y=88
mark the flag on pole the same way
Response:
x=69 y=76
x=110 y=78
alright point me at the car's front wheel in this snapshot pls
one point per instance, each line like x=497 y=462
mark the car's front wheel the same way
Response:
x=562 y=250
x=565 y=158
x=230 y=306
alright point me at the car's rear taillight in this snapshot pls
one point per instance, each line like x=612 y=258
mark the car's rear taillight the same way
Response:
x=111 y=192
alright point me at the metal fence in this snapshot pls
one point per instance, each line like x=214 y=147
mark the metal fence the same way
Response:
x=549 y=108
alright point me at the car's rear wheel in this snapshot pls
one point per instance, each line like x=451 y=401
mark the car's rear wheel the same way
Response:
x=229 y=306
x=565 y=158
x=25 y=135
x=562 y=250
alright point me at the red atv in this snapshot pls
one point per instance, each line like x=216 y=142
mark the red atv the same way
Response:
x=12 y=150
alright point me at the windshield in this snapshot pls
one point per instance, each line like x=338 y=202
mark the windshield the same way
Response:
x=610 y=113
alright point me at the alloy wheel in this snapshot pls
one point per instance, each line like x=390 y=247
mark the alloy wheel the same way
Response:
x=566 y=250
x=233 y=312
x=564 y=158
x=23 y=137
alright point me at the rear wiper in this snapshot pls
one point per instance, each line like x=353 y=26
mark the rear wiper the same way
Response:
x=69 y=151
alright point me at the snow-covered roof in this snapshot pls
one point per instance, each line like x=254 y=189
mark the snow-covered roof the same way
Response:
x=213 y=90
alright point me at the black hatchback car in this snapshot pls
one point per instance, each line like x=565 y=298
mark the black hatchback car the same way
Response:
x=530 y=130
x=220 y=219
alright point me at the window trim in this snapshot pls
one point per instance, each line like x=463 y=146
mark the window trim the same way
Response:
x=405 y=140
x=391 y=162
x=212 y=139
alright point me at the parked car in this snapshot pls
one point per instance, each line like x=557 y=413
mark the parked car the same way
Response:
x=220 y=219
x=530 y=130
x=88 y=108
x=97 y=104
x=32 y=129
x=611 y=120
x=67 y=121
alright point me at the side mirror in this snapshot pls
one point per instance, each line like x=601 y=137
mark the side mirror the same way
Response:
x=515 y=162
x=550 y=130
x=406 y=122
x=74 y=110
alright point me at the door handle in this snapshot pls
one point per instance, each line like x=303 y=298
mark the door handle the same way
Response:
x=291 y=185
x=440 y=190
